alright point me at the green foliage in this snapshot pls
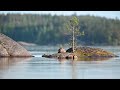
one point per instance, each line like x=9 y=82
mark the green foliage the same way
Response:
x=74 y=27
x=73 y=23
x=50 y=30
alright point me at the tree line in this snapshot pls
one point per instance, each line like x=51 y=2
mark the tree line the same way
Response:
x=51 y=30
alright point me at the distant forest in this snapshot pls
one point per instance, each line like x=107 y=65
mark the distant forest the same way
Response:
x=50 y=30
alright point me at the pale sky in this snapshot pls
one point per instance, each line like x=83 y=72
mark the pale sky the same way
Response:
x=107 y=14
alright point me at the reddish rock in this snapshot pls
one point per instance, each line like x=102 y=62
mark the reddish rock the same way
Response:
x=61 y=50
x=75 y=57
x=70 y=56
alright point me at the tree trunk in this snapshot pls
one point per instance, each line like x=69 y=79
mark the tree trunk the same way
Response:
x=73 y=39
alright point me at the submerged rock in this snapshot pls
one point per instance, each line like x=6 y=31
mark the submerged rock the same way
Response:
x=9 y=47
x=60 y=55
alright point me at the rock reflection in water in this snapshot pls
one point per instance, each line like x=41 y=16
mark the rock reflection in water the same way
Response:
x=84 y=59
x=62 y=60
x=93 y=59
x=6 y=62
x=74 y=64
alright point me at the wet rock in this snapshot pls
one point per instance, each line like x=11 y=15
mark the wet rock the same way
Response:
x=75 y=57
x=70 y=56
x=47 y=56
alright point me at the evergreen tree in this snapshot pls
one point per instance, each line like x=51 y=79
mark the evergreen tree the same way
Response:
x=73 y=26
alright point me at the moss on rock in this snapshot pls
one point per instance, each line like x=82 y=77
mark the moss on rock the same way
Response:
x=83 y=53
x=91 y=52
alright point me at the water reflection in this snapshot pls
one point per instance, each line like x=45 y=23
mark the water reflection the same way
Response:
x=6 y=63
x=93 y=59
x=45 y=68
x=75 y=64
x=85 y=59
x=74 y=69
x=62 y=60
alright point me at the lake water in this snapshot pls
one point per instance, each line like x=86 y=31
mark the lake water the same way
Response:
x=39 y=67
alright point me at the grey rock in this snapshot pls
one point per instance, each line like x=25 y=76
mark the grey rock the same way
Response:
x=3 y=51
x=12 y=47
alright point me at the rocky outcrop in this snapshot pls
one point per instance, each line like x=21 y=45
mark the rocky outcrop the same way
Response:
x=3 y=52
x=82 y=52
x=9 y=47
x=92 y=52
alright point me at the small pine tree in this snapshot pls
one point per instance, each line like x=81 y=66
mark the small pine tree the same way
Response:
x=73 y=26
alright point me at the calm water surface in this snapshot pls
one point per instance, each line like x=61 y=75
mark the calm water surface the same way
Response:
x=44 y=68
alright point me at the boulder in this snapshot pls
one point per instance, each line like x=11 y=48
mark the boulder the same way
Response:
x=75 y=57
x=61 y=50
x=9 y=47
x=3 y=52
